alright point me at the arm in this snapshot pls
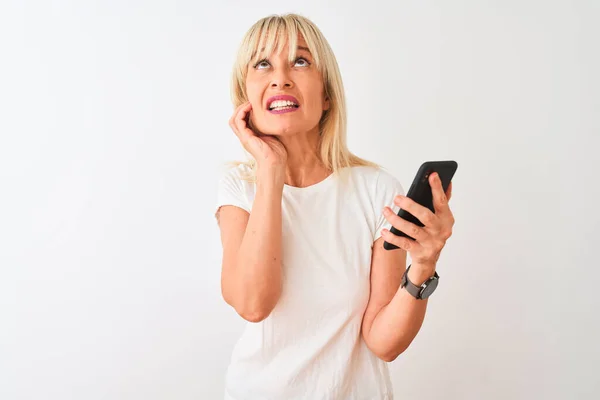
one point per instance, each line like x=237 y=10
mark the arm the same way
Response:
x=251 y=270
x=393 y=317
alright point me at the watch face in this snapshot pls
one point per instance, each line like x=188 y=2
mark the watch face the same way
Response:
x=430 y=288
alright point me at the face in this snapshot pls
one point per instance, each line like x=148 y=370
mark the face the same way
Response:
x=287 y=98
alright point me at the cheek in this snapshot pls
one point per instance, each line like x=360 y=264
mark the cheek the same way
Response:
x=316 y=94
x=253 y=89
x=314 y=101
x=253 y=94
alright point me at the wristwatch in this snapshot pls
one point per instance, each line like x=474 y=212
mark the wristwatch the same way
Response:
x=420 y=292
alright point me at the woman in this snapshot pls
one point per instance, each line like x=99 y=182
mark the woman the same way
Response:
x=302 y=227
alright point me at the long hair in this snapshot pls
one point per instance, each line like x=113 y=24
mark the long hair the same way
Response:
x=272 y=33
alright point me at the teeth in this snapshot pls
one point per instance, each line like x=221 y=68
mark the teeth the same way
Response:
x=282 y=103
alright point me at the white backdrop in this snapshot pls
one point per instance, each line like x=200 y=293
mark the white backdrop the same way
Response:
x=114 y=128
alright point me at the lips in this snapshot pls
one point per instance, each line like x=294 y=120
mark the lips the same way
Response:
x=283 y=97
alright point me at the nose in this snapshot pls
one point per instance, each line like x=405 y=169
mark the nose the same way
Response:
x=281 y=79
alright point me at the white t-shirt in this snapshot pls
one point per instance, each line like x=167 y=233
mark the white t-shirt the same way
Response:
x=310 y=347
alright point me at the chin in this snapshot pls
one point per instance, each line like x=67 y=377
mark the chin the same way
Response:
x=283 y=131
x=289 y=129
x=284 y=127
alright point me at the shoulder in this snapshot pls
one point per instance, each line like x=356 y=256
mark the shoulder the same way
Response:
x=235 y=174
x=235 y=170
x=234 y=187
x=378 y=178
x=385 y=177
x=365 y=173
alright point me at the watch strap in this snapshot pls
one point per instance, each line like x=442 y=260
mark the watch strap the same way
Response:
x=413 y=289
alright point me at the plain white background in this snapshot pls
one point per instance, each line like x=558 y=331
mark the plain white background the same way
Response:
x=114 y=129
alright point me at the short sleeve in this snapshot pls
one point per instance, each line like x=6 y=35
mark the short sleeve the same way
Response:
x=231 y=191
x=387 y=187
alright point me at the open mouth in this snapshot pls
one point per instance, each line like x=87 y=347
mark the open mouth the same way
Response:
x=282 y=103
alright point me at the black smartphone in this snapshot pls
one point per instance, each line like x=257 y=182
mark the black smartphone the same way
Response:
x=420 y=192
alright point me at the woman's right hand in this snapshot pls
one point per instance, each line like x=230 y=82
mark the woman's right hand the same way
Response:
x=267 y=150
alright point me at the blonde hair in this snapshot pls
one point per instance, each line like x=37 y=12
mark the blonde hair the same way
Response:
x=276 y=30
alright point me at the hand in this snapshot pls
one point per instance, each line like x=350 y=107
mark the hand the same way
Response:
x=429 y=240
x=266 y=150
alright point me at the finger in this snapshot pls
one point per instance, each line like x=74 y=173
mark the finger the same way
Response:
x=233 y=116
x=232 y=126
x=405 y=226
x=401 y=241
x=440 y=202
x=420 y=212
x=235 y=112
x=242 y=111
x=243 y=132
x=449 y=191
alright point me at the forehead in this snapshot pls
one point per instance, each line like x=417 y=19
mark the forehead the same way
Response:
x=277 y=43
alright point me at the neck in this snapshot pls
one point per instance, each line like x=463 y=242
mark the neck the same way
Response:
x=303 y=165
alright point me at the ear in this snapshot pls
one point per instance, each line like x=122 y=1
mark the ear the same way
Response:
x=326 y=104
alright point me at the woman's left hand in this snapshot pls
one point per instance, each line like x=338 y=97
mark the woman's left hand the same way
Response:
x=429 y=239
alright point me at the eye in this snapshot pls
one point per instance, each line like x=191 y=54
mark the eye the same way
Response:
x=264 y=63
x=306 y=62
x=260 y=63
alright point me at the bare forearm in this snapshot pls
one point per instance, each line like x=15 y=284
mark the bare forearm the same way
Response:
x=397 y=324
x=258 y=267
